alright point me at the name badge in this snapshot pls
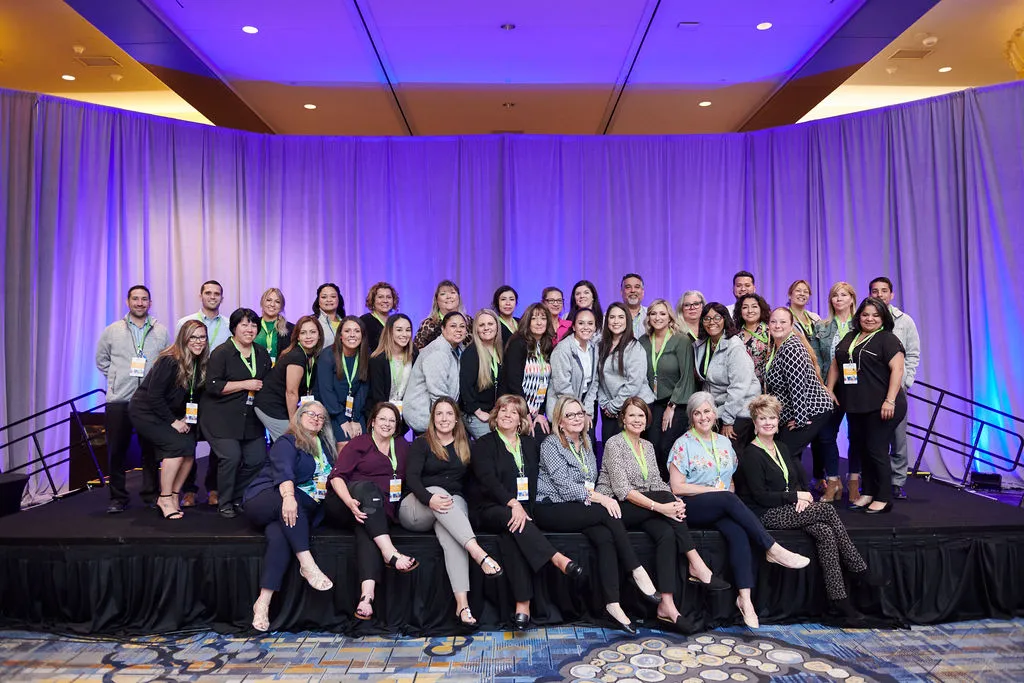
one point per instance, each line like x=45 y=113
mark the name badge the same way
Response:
x=394 y=490
x=350 y=403
x=542 y=392
x=321 y=486
x=397 y=404
x=250 y=397
x=654 y=388
x=720 y=485
x=308 y=398
x=273 y=361
x=191 y=413
x=522 y=488
x=849 y=373
x=589 y=486
x=138 y=367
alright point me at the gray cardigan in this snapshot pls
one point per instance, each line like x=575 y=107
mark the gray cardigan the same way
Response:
x=434 y=374
x=614 y=388
x=906 y=332
x=567 y=375
x=730 y=378
x=115 y=351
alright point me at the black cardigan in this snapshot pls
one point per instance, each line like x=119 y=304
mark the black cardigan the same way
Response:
x=423 y=469
x=379 y=376
x=160 y=398
x=225 y=416
x=760 y=482
x=372 y=329
x=472 y=399
x=494 y=472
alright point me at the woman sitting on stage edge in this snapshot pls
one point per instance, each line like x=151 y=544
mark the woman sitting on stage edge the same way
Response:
x=284 y=499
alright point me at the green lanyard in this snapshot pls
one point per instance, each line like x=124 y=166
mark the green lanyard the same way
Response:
x=655 y=357
x=506 y=324
x=397 y=372
x=759 y=335
x=771 y=356
x=145 y=333
x=321 y=461
x=808 y=326
x=856 y=341
x=776 y=457
x=710 y=451
x=540 y=361
x=251 y=363
x=516 y=451
x=709 y=350
x=192 y=382
x=216 y=328
x=580 y=458
x=639 y=459
x=494 y=368
x=842 y=328
x=381 y=319
x=350 y=375
x=393 y=458
x=310 y=362
x=269 y=337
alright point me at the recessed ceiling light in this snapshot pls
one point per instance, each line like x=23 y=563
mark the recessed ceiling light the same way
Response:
x=68 y=77
x=508 y=105
x=705 y=103
x=309 y=106
x=250 y=29
x=508 y=27
x=945 y=69
x=764 y=26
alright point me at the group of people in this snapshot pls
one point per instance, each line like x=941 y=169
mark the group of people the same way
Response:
x=704 y=414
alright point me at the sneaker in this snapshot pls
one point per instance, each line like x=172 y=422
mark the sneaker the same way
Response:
x=116 y=506
x=898 y=492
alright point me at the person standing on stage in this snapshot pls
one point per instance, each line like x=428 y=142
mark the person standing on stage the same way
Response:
x=480 y=372
x=435 y=372
x=391 y=365
x=554 y=301
x=226 y=412
x=584 y=295
x=292 y=380
x=447 y=299
x=342 y=382
x=727 y=373
x=633 y=295
x=574 y=367
x=275 y=332
x=804 y=320
x=742 y=284
x=691 y=305
x=621 y=369
x=905 y=330
x=504 y=303
x=528 y=364
x=329 y=309
x=165 y=410
x=753 y=327
x=382 y=300
x=211 y=295
x=124 y=354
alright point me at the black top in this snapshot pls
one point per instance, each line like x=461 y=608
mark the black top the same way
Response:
x=514 y=368
x=472 y=399
x=160 y=398
x=760 y=482
x=494 y=472
x=225 y=416
x=373 y=329
x=872 y=358
x=271 y=398
x=379 y=376
x=423 y=469
x=506 y=333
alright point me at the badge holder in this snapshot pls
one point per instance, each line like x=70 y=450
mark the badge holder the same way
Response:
x=849 y=373
x=191 y=413
x=522 y=488
x=394 y=490
x=138 y=367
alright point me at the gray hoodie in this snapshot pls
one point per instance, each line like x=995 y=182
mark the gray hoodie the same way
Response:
x=613 y=389
x=567 y=375
x=434 y=374
x=729 y=378
x=115 y=351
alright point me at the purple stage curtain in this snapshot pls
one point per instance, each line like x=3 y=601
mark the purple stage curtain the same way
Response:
x=928 y=193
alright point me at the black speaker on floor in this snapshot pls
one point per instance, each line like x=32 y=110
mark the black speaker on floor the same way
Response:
x=986 y=481
x=12 y=488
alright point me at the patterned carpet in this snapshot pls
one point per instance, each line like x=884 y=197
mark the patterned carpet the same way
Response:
x=986 y=651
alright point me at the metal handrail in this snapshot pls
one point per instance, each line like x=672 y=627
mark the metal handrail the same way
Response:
x=75 y=415
x=930 y=436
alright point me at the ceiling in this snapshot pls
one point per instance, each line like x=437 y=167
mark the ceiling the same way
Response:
x=447 y=67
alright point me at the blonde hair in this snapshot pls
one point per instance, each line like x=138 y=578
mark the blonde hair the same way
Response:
x=281 y=325
x=435 y=312
x=484 y=379
x=832 y=292
x=673 y=323
x=811 y=358
x=765 y=404
x=520 y=403
x=556 y=420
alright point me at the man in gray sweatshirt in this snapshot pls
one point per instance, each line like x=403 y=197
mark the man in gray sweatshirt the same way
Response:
x=906 y=332
x=125 y=353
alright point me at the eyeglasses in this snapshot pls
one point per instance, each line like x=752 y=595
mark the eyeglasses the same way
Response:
x=713 y=319
x=695 y=304
x=195 y=338
x=554 y=301
x=316 y=417
x=574 y=416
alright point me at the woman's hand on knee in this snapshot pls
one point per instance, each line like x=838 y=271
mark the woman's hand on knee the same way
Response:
x=440 y=503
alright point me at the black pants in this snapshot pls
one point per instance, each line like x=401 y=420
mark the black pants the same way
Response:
x=522 y=554
x=119 y=437
x=825 y=447
x=609 y=426
x=671 y=537
x=607 y=534
x=209 y=481
x=743 y=427
x=870 y=436
x=663 y=440
x=369 y=562
x=796 y=440
x=283 y=541
x=724 y=511
x=240 y=461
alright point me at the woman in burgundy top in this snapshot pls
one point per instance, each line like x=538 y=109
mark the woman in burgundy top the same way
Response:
x=363 y=490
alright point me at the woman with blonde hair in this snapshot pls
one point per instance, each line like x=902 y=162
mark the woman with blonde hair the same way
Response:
x=480 y=371
x=435 y=474
x=275 y=332
x=447 y=299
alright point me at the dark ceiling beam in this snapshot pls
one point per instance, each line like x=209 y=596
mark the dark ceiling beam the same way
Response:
x=370 y=33
x=623 y=79
x=137 y=30
x=866 y=33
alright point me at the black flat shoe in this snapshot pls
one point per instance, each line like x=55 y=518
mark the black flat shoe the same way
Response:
x=681 y=624
x=520 y=621
x=715 y=584
x=879 y=511
x=116 y=507
x=628 y=628
x=653 y=598
x=574 y=570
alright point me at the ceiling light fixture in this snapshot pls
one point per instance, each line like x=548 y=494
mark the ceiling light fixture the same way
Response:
x=508 y=27
x=945 y=69
x=705 y=103
x=309 y=106
x=250 y=29
x=68 y=77
x=764 y=26
x=508 y=105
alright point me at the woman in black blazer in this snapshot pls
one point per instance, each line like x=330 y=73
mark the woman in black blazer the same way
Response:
x=275 y=333
x=391 y=365
x=504 y=486
x=382 y=300
x=480 y=370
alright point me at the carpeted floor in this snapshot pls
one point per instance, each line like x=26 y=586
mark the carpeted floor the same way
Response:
x=986 y=651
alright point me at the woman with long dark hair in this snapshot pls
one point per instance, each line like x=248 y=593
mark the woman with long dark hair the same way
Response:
x=329 y=309
x=292 y=379
x=528 y=364
x=621 y=368
x=584 y=295
x=504 y=304
x=341 y=383
x=751 y=319
x=435 y=372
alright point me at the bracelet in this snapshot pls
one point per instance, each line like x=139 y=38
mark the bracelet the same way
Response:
x=287 y=495
x=652 y=506
x=889 y=401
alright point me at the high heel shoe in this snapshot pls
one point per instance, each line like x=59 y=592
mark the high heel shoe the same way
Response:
x=749 y=616
x=880 y=511
x=261 y=617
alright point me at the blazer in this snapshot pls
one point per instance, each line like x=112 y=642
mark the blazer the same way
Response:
x=333 y=392
x=373 y=328
x=567 y=376
x=472 y=399
x=760 y=482
x=434 y=374
x=561 y=479
x=286 y=462
x=494 y=472
x=380 y=380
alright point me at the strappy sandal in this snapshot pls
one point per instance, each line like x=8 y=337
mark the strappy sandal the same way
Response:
x=491 y=564
x=393 y=563
x=316 y=579
x=260 y=618
x=363 y=616
x=173 y=514
x=467 y=624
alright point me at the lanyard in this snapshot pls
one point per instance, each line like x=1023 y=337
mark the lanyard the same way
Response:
x=192 y=382
x=655 y=357
x=251 y=363
x=494 y=368
x=639 y=460
x=216 y=328
x=321 y=461
x=710 y=451
x=516 y=451
x=842 y=328
x=771 y=356
x=807 y=326
x=508 y=326
x=856 y=341
x=580 y=458
x=776 y=457
x=759 y=335
x=542 y=366
x=381 y=319
x=350 y=375
x=397 y=372
x=269 y=337
x=145 y=333
x=707 y=357
x=309 y=371
x=391 y=456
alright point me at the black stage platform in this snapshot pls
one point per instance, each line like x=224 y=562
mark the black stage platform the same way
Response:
x=68 y=566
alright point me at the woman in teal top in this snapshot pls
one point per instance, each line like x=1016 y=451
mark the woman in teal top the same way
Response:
x=701 y=467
